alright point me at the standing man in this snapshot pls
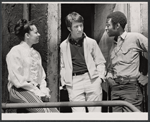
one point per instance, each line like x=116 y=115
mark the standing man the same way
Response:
x=82 y=65
x=123 y=73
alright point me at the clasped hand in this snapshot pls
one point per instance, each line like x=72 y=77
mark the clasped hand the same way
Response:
x=143 y=79
x=111 y=81
x=45 y=98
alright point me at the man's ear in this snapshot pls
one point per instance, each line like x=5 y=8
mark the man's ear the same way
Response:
x=27 y=35
x=118 y=25
x=69 y=28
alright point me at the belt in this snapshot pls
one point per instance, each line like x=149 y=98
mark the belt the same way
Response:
x=79 y=73
x=123 y=80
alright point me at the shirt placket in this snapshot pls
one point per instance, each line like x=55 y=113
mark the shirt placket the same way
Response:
x=118 y=54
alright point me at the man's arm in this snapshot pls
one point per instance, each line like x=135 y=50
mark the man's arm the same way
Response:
x=62 y=69
x=99 y=60
x=142 y=43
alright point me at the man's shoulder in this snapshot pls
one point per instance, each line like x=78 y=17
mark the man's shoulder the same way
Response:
x=64 y=43
x=135 y=34
x=89 y=39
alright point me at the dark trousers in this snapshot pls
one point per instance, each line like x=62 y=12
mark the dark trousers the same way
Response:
x=129 y=92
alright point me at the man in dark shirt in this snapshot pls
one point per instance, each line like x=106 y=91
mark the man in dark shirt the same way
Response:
x=123 y=72
x=82 y=65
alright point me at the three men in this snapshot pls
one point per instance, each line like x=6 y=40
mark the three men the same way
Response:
x=123 y=72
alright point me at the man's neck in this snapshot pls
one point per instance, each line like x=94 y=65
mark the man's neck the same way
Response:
x=76 y=39
x=121 y=32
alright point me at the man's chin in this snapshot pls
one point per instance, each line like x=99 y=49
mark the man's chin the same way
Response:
x=37 y=41
x=80 y=35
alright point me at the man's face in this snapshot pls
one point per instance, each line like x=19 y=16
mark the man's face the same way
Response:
x=110 y=28
x=76 y=30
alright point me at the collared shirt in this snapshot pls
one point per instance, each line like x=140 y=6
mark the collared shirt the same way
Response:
x=94 y=58
x=77 y=54
x=124 y=55
x=77 y=43
x=25 y=69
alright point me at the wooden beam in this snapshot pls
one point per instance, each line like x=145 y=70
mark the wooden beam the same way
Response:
x=26 y=11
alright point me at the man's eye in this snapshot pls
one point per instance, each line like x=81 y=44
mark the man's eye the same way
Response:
x=81 y=25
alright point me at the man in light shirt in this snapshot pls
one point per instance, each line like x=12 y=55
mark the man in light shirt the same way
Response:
x=123 y=71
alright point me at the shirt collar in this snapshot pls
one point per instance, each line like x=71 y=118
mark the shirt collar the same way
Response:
x=79 y=43
x=123 y=35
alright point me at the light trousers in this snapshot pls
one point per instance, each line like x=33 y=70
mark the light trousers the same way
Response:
x=85 y=89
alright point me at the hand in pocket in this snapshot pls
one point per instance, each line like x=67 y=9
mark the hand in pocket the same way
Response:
x=111 y=82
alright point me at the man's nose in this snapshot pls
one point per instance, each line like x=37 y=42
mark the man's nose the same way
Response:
x=106 y=28
x=79 y=28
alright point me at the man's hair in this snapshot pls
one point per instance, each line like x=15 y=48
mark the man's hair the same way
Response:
x=118 y=17
x=73 y=17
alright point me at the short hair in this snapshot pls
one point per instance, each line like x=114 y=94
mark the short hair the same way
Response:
x=118 y=17
x=22 y=27
x=73 y=17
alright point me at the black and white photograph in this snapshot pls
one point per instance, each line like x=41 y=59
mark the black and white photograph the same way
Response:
x=74 y=60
